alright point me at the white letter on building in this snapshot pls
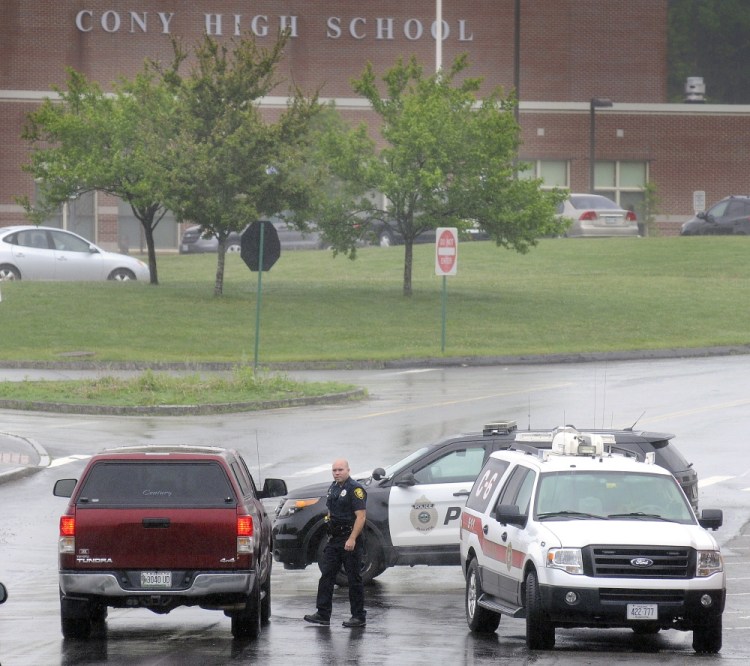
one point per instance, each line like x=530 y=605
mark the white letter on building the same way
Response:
x=165 y=21
x=259 y=25
x=418 y=29
x=385 y=28
x=462 y=32
x=334 y=27
x=140 y=21
x=446 y=30
x=79 y=20
x=213 y=24
x=114 y=26
x=291 y=23
x=353 y=27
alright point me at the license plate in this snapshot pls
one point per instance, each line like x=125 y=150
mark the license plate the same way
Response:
x=160 y=579
x=611 y=220
x=643 y=612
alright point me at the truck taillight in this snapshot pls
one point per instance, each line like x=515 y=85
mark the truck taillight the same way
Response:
x=67 y=542
x=244 y=526
x=244 y=534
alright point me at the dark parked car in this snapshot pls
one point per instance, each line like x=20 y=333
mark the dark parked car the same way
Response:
x=414 y=506
x=728 y=217
x=291 y=238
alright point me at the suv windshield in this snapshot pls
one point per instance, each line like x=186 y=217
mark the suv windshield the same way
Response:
x=156 y=483
x=611 y=495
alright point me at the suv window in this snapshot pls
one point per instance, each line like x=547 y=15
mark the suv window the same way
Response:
x=458 y=466
x=156 y=483
x=485 y=485
x=517 y=490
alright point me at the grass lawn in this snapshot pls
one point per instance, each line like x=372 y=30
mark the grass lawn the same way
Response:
x=565 y=296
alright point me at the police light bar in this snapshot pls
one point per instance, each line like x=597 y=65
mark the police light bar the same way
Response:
x=499 y=428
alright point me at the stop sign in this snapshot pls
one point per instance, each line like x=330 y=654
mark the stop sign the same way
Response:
x=250 y=245
x=446 y=251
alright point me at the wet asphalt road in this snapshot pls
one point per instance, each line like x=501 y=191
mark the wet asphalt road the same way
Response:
x=415 y=614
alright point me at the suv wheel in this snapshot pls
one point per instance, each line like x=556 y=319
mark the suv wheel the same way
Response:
x=246 y=623
x=707 y=637
x=480 y=620
x=540 y=632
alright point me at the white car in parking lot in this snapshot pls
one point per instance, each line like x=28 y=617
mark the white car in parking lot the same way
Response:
x=46 y=253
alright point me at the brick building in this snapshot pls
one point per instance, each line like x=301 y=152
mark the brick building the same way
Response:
x=569 y=52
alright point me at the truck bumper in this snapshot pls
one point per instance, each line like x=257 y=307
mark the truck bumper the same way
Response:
x=125 y=584
x=607 y=607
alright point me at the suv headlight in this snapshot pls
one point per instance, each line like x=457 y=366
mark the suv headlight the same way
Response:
x=292 y=506
x=708 y=563
x=566 y=559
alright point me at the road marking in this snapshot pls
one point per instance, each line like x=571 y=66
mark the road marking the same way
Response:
x=58 y=462
x=310 y=471
x=711 y=480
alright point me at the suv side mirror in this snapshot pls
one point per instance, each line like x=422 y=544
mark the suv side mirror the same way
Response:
x=273 y=488
x=64 y=487
x=378 y=473
x=3 y=594
x=711 y=519
x=407 y=479
x=509 y=514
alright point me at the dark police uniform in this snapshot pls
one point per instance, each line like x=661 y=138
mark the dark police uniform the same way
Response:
x=342 y=502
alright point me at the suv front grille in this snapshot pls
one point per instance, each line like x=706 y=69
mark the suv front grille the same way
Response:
x=638 y=562
x=621 y=596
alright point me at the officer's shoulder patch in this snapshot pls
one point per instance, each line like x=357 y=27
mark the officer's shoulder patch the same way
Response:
x=359 y=493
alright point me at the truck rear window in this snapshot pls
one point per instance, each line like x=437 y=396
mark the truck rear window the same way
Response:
x=156 y=483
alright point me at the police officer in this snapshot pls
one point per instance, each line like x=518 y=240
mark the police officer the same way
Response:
x=346 y=504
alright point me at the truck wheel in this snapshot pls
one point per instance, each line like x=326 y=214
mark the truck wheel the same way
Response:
x=540 y=632
x=265 y=602
x=707 y=637
x=246 y=623
x=480 y=620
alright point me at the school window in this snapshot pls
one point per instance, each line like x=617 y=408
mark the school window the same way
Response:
x=623 y=182
x=554 y=173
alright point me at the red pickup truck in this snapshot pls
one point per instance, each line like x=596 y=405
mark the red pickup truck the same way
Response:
x=161 y=527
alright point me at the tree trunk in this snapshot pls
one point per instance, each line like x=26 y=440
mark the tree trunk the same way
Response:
x=408 y=261
x=219 y=284
x=148 y=232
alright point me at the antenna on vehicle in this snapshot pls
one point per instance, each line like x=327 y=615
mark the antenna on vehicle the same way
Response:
x=636 y=421
x=604 y=395
x=529 y=414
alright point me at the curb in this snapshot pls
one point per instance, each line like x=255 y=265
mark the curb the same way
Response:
x=182 y=410
x=25 y=470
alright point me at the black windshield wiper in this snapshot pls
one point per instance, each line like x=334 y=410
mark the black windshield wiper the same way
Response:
x=640 y=514
x=568 y=514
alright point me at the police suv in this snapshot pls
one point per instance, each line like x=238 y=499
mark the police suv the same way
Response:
x=576 y=536
x=414 y=506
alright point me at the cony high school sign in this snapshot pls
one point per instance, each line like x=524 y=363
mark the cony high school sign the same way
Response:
x=333 y=27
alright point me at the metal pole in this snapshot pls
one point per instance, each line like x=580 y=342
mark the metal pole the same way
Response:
x=260 y=292
x=592 y=144
x=438 y=35
x=517 y=57
x=445 y=298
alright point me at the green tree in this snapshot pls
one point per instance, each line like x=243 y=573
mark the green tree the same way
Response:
x=89 y=140
x=447 y=159
x=228 y=164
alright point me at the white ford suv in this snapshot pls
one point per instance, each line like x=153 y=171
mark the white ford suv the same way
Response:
x=576 y=536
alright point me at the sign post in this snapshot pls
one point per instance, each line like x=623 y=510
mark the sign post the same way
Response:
x=259 y=248
x=446 y=263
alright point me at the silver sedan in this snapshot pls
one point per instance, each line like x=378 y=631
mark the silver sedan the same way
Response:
x=47 y=253
x=595 y=215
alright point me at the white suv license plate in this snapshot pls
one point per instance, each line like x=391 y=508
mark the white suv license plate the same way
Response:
x=156 y=579
x=643 y=612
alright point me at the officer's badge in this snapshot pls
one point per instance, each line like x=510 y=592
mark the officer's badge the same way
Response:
x=359 y=493
x=423 y=515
